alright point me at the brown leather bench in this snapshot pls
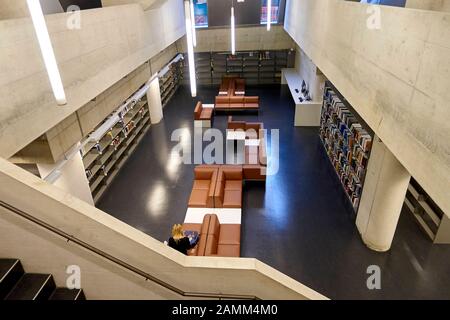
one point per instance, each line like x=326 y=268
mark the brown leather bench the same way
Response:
x=216 y=239
x=201 y=113
x=230 y=103
x=240 y=87
x=232 y=96
x=228 y=193
x=255 y=167
x=202 y=195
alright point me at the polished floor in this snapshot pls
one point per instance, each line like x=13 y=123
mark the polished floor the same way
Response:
x=298 y=223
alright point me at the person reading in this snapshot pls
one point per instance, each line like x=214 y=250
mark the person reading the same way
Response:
x=182 y=241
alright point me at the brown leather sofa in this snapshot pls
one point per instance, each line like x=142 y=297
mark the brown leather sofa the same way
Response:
x=232 y=86
x=240 y=87
x=202 y=195
x=255 y=167
x=216 y=239
x=232 y=96
x=228 y=193
x=201 y=113
x=227 y=103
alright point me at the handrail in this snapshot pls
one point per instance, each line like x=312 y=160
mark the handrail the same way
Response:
x=123 y=264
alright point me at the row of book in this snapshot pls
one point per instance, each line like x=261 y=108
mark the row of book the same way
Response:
x=347 y=144
x=352 y=151
x=351 y=183
x=347 y=123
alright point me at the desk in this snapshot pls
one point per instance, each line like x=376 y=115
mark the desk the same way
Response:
x=252 y=142
x=307 y=113
x=235 y=135
x=225 y=215
x=235 y=147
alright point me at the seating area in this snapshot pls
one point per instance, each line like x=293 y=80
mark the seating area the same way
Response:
x=215 y=202
x=232 y=96
x=216 y=239
x=216 y=197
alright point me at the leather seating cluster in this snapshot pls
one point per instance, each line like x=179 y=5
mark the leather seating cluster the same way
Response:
x=216 y=239
x=232 y=96
x=255 y=167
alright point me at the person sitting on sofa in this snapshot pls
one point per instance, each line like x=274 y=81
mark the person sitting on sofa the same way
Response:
x=179 y=241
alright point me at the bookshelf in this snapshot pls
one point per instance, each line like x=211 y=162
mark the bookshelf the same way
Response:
x=347 y=141
x=170 y=78
x=104 y=158
x=257 y=67
x=431 y=219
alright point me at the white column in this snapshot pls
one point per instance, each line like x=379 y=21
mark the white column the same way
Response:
x=382 y=199
x=154 y=102
x=71 y=179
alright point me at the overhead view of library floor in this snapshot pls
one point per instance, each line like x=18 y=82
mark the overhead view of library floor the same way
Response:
x=211 y=149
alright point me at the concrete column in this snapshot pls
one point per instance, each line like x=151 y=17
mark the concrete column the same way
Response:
x=154 y=102
x=72 y=178
x=382 y=198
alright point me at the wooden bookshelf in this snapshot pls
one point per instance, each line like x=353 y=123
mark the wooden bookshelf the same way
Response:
x=104 y=159
x=170 y=81
x=347 y=143
x=430 y=218
x=257 y=67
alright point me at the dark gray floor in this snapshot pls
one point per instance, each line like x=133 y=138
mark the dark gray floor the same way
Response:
x=299 y=223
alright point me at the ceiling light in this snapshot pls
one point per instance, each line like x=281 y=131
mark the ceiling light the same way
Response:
x=37 y=16
x=269 y=14
x=194 y=36
x=190 y=49
x=233 y=32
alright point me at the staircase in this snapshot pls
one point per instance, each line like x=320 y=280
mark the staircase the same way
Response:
x=15 y=284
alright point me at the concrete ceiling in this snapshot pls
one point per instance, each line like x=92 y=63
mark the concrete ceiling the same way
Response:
x=146 y=4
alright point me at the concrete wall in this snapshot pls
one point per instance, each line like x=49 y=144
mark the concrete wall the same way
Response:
x=436 y=5
x=145 y=4
x=309 y=72
x=13 y=9
x=42 y=251
x=247 y=38
x=111 y=43
x=396 y=77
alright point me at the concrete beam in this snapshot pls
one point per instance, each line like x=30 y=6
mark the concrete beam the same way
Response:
x=145 y=4
x=111 y=43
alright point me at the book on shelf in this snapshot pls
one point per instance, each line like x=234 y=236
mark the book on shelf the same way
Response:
x=347 y=144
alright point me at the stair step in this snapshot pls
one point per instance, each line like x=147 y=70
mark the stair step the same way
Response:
x=68 y=294
x=11 y=271
x=33 y=287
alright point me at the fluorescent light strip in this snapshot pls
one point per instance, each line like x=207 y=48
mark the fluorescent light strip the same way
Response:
x=194 y=35
x=48 y=54
x=190 y=49
x=269 y=14
x=233 y=32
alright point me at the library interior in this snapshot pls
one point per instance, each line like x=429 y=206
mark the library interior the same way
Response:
x=224 y=149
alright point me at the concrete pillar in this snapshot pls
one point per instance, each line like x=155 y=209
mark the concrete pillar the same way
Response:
x=382 y=198
x=154 y=102
x=72 y=178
